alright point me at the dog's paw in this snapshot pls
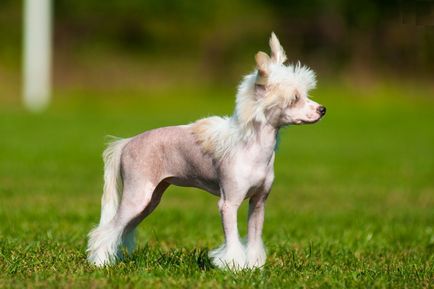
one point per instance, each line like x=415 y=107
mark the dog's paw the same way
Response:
x=232 y=258
x=256 y=255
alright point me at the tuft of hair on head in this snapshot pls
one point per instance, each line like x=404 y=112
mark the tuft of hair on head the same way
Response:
x=305 y=76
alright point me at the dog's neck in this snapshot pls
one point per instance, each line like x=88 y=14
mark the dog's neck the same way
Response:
x=268 y=136
x=254 y=126
x=264 y=136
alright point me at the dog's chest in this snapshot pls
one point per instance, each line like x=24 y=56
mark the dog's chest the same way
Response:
x=254 y=171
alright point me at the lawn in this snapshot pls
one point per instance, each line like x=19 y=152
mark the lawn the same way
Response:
x=352 y=205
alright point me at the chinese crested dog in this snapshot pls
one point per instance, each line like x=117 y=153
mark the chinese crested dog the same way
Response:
x=230 y=157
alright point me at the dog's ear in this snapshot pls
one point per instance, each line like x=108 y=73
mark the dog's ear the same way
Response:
x=277 y=53
x=262 y=64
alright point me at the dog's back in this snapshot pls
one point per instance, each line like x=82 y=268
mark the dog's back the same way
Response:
x=169 y=153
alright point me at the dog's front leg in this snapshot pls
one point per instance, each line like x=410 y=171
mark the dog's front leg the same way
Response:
x=232 y=253
x=255 y=248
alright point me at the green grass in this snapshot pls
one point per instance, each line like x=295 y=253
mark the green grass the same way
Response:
x=352 y=204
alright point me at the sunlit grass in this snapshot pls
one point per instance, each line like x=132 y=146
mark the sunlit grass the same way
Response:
x=352 y=205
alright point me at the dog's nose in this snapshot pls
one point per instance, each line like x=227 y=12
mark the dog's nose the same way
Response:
x=321 y=110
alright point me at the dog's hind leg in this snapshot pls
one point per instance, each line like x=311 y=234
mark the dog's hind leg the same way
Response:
x=129 y=232
x=138 y=201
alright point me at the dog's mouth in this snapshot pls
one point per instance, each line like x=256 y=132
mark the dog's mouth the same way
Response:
x=302 y=121
x=307 y=121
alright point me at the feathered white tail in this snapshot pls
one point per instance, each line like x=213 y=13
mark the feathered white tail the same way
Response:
x=112 y=180
x=105 y=239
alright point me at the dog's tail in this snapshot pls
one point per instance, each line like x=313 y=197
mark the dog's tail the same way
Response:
x=112 y=179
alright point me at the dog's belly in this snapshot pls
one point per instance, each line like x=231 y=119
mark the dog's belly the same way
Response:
x=206 y=185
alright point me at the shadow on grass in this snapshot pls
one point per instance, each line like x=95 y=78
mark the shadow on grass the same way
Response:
x=183 y=261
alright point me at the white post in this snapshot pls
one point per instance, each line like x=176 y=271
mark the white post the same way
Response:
x=37 y=54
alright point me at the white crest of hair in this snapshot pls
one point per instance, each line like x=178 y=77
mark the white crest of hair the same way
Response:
x=112 y=179
x=296 y=76
x=219 y=135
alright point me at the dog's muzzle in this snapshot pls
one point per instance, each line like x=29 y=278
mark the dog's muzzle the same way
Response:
x=321 y=110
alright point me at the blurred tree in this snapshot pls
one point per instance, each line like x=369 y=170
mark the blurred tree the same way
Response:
x=337 y=35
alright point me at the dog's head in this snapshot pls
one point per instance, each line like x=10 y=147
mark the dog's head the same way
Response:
x=281 y=91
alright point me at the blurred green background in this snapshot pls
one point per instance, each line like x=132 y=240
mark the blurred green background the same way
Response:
x=107 y=45
x=353 y=201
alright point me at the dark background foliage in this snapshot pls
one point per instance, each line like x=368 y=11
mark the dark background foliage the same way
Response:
x=336 y=37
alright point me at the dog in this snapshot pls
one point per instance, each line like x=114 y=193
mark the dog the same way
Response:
x=230 y=157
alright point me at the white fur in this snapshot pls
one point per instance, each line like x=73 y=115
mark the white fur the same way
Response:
x=104 y=242
x=105 y=239
x=231 y=257
x=110 y=197
x=256 y=254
